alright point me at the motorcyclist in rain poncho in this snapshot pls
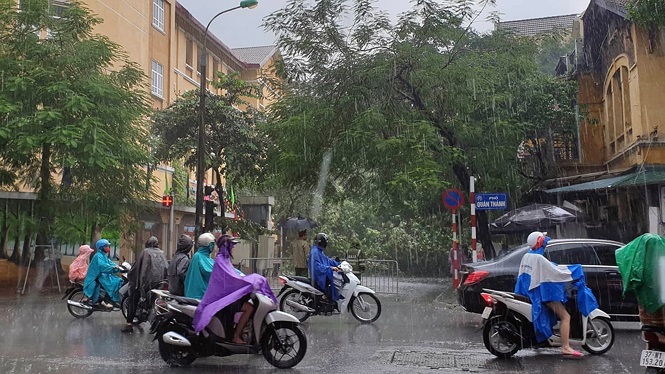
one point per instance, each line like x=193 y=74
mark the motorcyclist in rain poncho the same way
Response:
x=79 y=267
x=179 y=265
x=229 y=291
x=198 y=273
x=321 y=267
x=544 y=283
x=100 y=272
x=148 y=271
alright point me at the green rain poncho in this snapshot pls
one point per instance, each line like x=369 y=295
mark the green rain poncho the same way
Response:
x=198 y=274
x=642 y=266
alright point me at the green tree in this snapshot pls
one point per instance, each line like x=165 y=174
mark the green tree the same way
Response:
x=233 y=137
x=405 y=109
x=71 y=103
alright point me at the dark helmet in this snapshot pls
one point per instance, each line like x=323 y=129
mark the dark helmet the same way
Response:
x=321 y=240
x=226 y=238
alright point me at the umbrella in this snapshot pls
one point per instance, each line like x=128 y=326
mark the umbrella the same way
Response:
x=532 y=217
x=298 y=223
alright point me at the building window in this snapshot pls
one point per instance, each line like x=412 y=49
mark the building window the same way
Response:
x=158 y=14
x=157 y=79
x=189 y=52
x=58 y=8
x=618 y=111
x=215 y=69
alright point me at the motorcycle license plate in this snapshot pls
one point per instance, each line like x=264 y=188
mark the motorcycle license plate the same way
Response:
x=487 y=312
x=652 y=359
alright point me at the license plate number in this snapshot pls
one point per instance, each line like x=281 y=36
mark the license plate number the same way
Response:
x=487 y=312
x=652 y=358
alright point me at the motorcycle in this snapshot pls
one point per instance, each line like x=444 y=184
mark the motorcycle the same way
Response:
x=275 y=334
x=653 y=357
x=508 y=326
x=300 y=299
x=79 y=308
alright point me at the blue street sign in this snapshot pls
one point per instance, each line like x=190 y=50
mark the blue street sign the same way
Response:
x=453 y=199
x=491 y=201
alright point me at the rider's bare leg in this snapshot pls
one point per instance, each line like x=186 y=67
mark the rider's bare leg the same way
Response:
x=564 y=326
x=246 y=313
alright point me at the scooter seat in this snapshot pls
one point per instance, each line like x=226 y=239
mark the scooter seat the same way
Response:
x=520 y=297
x=302 y=279
x=186 y=300
x=651 y=328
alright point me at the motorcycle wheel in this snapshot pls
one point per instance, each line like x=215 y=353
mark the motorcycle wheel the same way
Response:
x=284 y=345
x=124 y=303
x=76 y=311
x=597 y=345
x=652 y=370
x=494 y=342
x=366 y=308
x=296 y=297
x=174 y=355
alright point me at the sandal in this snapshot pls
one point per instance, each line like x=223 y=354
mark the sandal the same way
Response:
x=573 y=354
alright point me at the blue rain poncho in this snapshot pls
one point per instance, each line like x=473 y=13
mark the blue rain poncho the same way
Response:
x=100 y=271
x=198 y=273
x=320 y=269
x=543 y=281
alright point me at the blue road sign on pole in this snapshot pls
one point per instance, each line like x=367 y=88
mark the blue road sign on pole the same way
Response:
x=491 y=201
x=453 y=199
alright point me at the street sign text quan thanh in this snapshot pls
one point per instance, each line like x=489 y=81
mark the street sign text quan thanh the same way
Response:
x=491 y=201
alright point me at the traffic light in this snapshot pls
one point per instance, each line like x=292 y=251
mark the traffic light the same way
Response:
x=167 y=201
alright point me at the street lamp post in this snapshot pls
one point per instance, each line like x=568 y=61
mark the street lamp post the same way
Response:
x=200 y=154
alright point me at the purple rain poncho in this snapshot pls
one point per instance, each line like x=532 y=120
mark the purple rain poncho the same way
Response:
x=226 y=287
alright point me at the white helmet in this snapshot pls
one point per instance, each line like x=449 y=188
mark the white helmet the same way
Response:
x=536 y=239
x=206 y=239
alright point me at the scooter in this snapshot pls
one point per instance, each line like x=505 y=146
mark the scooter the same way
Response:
x=508 y=326
x=275 y=334
x=82 y=309
x=653 y=357
x=300 y=299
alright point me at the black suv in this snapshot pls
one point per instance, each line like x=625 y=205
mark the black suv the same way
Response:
x=595 y=255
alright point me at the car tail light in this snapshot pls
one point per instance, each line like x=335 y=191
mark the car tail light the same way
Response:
x=489 y=300
x=476 y=277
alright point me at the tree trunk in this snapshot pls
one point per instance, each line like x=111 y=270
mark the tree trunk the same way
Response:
x=25 y=253
x=4 y=231
x=15 y=253
x=44 y=214
x=15 y=257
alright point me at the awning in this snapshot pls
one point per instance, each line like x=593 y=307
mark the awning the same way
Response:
x=640 y=178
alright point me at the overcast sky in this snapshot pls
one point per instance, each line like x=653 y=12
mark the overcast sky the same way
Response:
x=242 y=27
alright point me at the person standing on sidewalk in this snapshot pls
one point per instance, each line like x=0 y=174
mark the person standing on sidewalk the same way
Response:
x=300 y=252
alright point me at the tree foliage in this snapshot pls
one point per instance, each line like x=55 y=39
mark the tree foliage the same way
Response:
x=70 y=102
x=406 y=109
x=649 y=13
x=233 y=138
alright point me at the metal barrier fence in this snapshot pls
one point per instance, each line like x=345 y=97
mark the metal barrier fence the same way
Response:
x=382 y=276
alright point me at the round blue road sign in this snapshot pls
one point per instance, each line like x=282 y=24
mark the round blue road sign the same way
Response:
x=453 y=199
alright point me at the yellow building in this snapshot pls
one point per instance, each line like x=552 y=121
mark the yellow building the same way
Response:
x=166 y=41
x=618 y=177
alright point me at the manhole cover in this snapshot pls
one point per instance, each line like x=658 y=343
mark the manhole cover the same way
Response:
x=446 y=360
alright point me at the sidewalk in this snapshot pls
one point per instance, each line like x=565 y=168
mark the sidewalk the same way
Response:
x=12 y=278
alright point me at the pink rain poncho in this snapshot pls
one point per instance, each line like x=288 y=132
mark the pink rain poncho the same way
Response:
x=226 y=287
x=79 y=267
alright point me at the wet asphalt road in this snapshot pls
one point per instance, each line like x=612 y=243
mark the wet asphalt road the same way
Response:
x=422 y=332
